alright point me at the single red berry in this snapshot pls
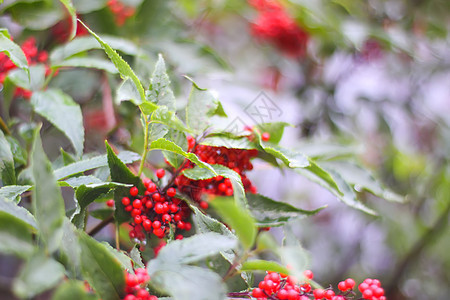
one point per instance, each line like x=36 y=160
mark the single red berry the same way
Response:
x=134 y=191
x=149 y=204
x=125 y=201
x=156 y=224
x=283 y=294
x=265 y=136
x=110 y=203
x=204 y=205
x=160 y=173
x=171 y=192
x=292 y=294
x=166 y=218
x=159 y=208
x=376 y=282
x=258 y=293
x=128 y=208
x=187 y=226
x=179 y=237
x=157 y=197
x=180 y=225
x=159 y=232
x=173 y=208
x=363 y=286
x=350 y=283
x=138 y=219
x=329 y=294
x=342 y=286
x=319 y=293
x=151 y=187
x=378 y=292
x=137 y=203
x=147 y=224
x=367 y=294
x=308 y=274
x=130 y=297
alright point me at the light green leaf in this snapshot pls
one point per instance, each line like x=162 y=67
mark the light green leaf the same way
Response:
x=101 y=269
x=126 y=157
x=202 y=105
x=270 y=213
x=163 y=144
x=19 y=212
x=13 y=191
x=124 y=259
x=179 y=138
x=13 y=51
x=31 y=79
x=88 y=62
x=37 y=15
x=15 y=236
x=70 y=248
x=73 y=16
x=64 y=113
x=275 y=130
x=160 y=92
x=135 y=255
x=39 y=274
x=238 y=218
x=263 y=265
x=80 y=180
x=7 y=171
x=48 y=204
x=290 y=158
x=162 y=115
x=121 y=65
x=127 y=92
x=228 y=142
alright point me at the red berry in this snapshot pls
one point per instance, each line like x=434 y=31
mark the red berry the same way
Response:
x=378 y=292
x=191 y=142
x=146 y=181
x=282 y=294
x=149 y=204
x=265 y=136
x=157 y=197
x=156 y=224
x=367 y=294
x=350 y=283
x=159 y=232
x=171 y=192
x=160 y=173
x=179 y=237
x=166 y=218
x=151 y=187
x=319 y=293
x=147 y=224
x=292 y=294
x=125 y=201
x=159 y=208
x=137 y=203
x=134 y=191
x=128 y=208
x=363 y=286
x=187 y=226
x=308 y=274
x=138 y=219
x=258 y=293
x=329 y=294
x=204 y=205
x=110 y=203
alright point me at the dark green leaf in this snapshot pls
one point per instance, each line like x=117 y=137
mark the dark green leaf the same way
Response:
x=160 y=92
x=263 y=265
x=19 y=212
x=269 y=213
x=101 y=213
x=92 y=163
x=13 y=191
x=238 y=218
x=48 y=203
x=39 y=274
x=13 y=51
x=120 y=173
x=7 y=171
x=202 y=105
x=121 y=65
x=72 y=290
x=101 y=269
x=59 y=108
x=15 y=236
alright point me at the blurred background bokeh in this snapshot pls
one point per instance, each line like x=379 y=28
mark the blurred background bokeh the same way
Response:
x=363 y=79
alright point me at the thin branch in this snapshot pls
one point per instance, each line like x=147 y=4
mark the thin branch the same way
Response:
x=100 y=225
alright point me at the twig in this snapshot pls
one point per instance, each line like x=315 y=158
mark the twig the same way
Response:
x=4 y=128
x=100 y=225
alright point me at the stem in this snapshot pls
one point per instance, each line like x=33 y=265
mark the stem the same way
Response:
x=232 y=270
x=145 y=151
x=417 y=248
x=117 y=236
x=100 y=225
x=4 y=128
x=49 y=77
x=239 y=295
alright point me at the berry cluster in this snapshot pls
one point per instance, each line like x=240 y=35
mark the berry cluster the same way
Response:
x=135 y=286
x=274 y=25
x=280 y=286
x=33 y=56
x=156 y=211
x=121 y=12
x=61 y=30
x=236 y=159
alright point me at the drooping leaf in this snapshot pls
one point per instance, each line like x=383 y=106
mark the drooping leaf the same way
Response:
x=270 y=213
x=48 y=204
x=7 y=171
x=13 y=51
x=263 y=265
x=163 y=144
x=60 y=110
x=120 y=173
x=101 y=269
x=290 y=158
x=13 y=192
x=160 y=92
x=202 y=105
x=39 y=274
x=92 y=163
x=15 y=236
x=238 y=218
x=121 y=65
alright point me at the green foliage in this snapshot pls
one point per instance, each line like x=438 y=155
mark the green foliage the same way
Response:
x=7 y=170
x=13 y=51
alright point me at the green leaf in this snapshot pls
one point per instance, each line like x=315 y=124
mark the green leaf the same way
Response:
x=48 y=204
x=15 y=236
x=101 y=269
x=13 y=191
x=290 y=158
x=202 y=105
x=324 y=176
x=163 y=144
x=160 y=92
x=73 y=16
x=120 y=173
x=135 y=255
x=263 y=265
x=87 y=6
x=72 y=290
x=121 y=65
x=228 y=142
x=195 y=248
x=88 y=62
x=13 y=51
x=7 y=171
x=238 y=218
x=60 y=110
x=80 y=180
x=362 y=179
x=126 y=157
x=71 y=249
x=39 y=274
x=179 y=138
x=8 y=206
x=38 y=15
x=101 y=213
x=124 y=259
x=162 y=115
x=127 y=92
x=275 y=130
x=270 y=213
x=32 y=79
